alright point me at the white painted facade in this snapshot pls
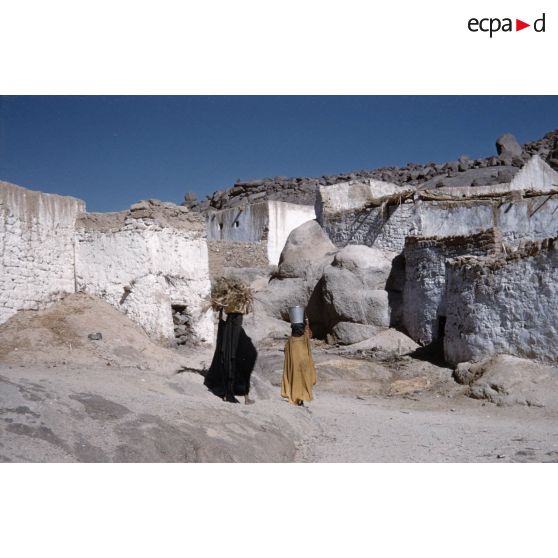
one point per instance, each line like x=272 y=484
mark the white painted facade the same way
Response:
x=283 y=219
x=36 y=248
x=535 y=175
x=143 y=269
x=142 y=261
x=355 y=220
x=270 y=222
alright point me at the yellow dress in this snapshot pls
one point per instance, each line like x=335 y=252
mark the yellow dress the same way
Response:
x=299 y=372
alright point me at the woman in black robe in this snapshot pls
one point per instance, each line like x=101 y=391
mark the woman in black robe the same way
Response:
x=233 y=360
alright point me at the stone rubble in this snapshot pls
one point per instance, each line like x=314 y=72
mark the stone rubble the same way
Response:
x=464 y=171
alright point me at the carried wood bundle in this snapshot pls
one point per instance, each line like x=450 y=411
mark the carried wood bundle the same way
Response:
x=232 y=295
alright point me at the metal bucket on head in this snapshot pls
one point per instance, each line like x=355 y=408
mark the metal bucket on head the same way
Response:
x=296 y=314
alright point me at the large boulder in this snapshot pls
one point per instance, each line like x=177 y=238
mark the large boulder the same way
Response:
x=387 y=341
x=279 y=294
x=348 y=333
x=355 y=287
x=507 y=144
x=348 y=298
x=307 y=251
x=371 y=265
x=259 y=326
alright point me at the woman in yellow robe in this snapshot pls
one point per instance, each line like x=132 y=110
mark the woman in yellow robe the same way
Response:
x=299 y=372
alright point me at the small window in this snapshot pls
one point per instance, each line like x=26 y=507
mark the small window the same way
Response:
x=236 y=224
x=220 y=226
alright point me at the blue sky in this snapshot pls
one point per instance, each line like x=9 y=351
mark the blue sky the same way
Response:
x=114 y=151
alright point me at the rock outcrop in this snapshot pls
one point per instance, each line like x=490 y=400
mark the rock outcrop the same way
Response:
x=508 y=380
x=506 y=144
x=463 y=171
x=354 y=293
x=307 y=252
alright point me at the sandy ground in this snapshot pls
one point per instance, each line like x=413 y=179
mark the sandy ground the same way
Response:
x=126 y=415
x=431 y=429
x=124 y=399
x=99 y=415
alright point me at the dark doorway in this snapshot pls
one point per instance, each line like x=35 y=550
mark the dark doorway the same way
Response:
x=441 y=328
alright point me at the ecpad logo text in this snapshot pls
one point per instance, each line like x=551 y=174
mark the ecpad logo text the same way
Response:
x=493 y=25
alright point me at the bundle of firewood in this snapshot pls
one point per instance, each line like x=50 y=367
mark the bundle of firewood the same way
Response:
x=232 y=295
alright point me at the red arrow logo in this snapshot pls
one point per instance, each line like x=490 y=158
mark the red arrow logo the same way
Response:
x=519 y=25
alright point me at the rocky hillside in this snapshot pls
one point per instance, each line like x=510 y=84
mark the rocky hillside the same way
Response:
x=501 y=167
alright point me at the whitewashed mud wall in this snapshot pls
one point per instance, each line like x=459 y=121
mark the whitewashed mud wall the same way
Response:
x=535 y=175
x=503 y=305
x=246 y=224
x=424 y=301
x=143 y=267
x=270 y=222
x=533 y=218
x=36 y=248
x=355 y=195
x=454 y=218
x=379 y=227
x=283 y=219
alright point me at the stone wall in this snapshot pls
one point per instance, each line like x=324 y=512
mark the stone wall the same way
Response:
x=505 y=304
x=401 y=222
x=36 y=248
x=227 y=254
x=424 y=304
x=144 y=262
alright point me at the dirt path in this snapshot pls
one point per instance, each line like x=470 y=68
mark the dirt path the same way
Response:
x=65 y=397
x=363 y=411
x=428 y=429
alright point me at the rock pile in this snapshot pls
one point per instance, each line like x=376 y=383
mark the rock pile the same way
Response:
x=182 y=327
x=461 y=172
